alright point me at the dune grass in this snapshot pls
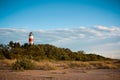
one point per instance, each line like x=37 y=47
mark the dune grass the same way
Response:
x=48 y=65
x=55 y=65
x=7 y=61
x=104 y=65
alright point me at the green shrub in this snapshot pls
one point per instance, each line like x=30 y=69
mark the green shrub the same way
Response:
x=2 y=56
x=23 y=64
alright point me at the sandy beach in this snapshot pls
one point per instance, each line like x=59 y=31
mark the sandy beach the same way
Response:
x=66 y=74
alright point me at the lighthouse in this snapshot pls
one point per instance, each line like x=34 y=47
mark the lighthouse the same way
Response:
x=31 y=38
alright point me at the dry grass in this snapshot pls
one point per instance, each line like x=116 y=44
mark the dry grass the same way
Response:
x=45 y=65
x=48 y=65
x=77 y=64
x=7 y=61
x=53 y=65
x=104 y=65
x=6 y=64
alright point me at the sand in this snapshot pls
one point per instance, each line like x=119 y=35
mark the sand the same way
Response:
x=65 y=74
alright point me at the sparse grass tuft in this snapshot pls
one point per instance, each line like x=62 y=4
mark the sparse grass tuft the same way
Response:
x=107 y=66
x=7 y=61
x=76 y=64
x=5 y=64
x=104 y=65
x=48 y=66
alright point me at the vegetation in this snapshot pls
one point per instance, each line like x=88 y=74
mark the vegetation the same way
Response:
x=47 y=66
x=45 y=52
x=28 y=64
x=23 y=64
x=49 y=57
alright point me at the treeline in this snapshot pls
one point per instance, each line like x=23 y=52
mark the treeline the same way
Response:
x=44 y=52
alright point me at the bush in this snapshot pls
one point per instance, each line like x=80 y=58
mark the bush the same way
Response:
x=2 y=56
x=45 y=52
x=23 y=64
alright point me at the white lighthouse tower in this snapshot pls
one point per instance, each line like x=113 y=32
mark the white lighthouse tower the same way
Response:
x=31 y=38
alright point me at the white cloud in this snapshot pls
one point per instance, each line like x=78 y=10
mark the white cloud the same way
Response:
x=104 y=28
x=12 y=34
x=67 y=33
x=108 y=31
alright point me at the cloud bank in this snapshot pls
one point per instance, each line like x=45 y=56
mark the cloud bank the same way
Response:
x=99 y=39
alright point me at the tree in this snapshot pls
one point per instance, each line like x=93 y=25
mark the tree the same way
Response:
x=11 y=44
x=26 y=45
x=17 y=45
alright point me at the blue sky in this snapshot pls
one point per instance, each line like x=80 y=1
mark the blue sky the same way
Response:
x=89 y=25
